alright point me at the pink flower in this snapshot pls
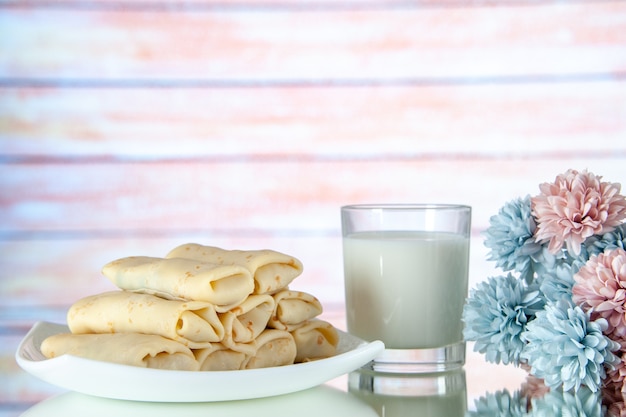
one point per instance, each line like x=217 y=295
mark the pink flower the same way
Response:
x=600 y=287
x=616 y=409
x=615 y=377
x=534 y=387
x=574 y=207
x=613 y=395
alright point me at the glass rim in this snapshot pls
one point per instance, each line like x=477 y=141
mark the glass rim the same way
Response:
x=405 y=206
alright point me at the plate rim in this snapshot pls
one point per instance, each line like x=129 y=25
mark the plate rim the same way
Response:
x=308 y=372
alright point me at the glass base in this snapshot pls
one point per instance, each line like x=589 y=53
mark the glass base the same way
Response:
x=412 y=361
x=423 y=385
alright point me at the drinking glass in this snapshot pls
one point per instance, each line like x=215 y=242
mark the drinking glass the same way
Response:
x=406 y=278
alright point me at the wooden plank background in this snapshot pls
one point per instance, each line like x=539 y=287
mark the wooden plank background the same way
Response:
x=130 y=127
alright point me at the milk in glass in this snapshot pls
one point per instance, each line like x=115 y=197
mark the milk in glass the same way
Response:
x=406 y=288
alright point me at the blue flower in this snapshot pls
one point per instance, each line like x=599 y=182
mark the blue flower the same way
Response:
x=545 y=262
x=557 y=282
x=496 y=314
x=566 y=348
x=500 y=404
x=583 y=403
x=510 y=238
x=597 y=244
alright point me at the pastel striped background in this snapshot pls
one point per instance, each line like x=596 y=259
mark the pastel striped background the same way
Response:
x=128 y=127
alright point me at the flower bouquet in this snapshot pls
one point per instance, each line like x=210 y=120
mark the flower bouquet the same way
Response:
x=560 y=309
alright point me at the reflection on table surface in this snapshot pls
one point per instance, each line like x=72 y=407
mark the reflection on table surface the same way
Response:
x=362 y=393
x=445 y=394
x=391 y=395
x=319 y=401
x=366 y=394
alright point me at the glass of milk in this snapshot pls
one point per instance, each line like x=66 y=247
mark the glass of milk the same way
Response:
x=406 y=278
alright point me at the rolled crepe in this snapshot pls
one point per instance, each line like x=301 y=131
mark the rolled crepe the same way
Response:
x=245 y=322
x=292 y=309
x=271 y=270
x=317 y=339
x=274 y=348
x=218 y=357
x=135 y=349
x=182 y=279
x=192 y=323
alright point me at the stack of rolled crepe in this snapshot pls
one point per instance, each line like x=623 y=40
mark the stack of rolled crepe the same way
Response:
x=199 y=308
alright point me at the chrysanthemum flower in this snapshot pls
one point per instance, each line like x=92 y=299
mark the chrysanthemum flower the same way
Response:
x=614 y=398
x=567 y=349
x=600 y=288
x=557 y=282
x=546 y=263
x=616 y=377
x=510 y=237
x=616 y=409
x=611 y=240
x=496 y=314
x=558 y=403
x=576 y=206
x=500 y=404
x=534 y=387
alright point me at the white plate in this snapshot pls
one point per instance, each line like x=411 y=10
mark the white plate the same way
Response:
x=111 y=380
